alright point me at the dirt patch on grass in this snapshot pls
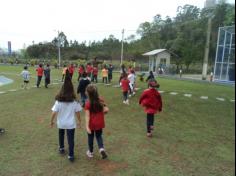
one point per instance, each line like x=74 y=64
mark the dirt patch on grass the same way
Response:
x=40 y=120
x=110 y=167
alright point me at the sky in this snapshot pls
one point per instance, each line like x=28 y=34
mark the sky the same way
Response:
x=26 y=21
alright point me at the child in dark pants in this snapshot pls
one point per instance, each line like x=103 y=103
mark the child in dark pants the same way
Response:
x=152 y=102
x=124 y=83
x=65 y=109
x=95 y=109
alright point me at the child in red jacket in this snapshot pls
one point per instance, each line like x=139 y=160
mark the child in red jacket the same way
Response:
x=152 y=102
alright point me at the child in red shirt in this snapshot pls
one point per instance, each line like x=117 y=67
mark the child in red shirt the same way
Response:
x=71 y=70
x=81 y=70
x=152 y=102
x=125 y=87
x=39 y=74
x=95 y=74
x=95 y=109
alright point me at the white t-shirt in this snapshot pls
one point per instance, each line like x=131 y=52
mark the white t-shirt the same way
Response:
x=66 y=114
x=26 y=75
x=131 y=78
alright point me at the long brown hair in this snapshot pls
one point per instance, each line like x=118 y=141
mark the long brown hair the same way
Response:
x=67 y=93
x=95 y=103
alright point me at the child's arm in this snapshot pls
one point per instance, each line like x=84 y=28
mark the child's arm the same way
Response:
x=87 y=117
x=79 y=120
x=54 y=114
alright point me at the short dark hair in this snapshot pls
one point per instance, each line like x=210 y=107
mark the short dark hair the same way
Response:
x=25 y=67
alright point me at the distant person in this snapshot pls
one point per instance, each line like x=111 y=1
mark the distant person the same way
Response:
x=180 y=73
x=63 y=72
x=110 y=70
x=83 y=83
x=95 y=74
x=95 y=108
x=131 y=78
x=26 y=77
x=47 y=71
x=152 y=102
x=81 y=70
x=71 y=70
x=89 y=70
x=150 y=76
x=39 y=74
x=65 y=109
x=124 y=83
x=104 y=75
x=2 y=130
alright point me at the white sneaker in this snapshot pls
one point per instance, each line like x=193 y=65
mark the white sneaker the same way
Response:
x=129 y=95
x=89 y=154
x=124 y=102
x=127 y=102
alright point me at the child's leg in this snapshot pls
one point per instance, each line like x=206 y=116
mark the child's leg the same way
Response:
x=70 y=139
x=125 y=96
x=106 y=79
x=150 y=120
x=90 y=141
x=61 y=138
x=99 y=139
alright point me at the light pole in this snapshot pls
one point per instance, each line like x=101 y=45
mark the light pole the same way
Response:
x=121 y=57
x=59 y=48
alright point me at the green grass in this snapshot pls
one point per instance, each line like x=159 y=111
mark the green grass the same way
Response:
x=191 y=137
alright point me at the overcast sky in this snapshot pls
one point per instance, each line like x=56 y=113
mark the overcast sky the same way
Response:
x=24 y=21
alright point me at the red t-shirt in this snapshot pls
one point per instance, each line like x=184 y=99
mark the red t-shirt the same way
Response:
x=71 y=69
x=89 y=69
x=39 y=71
x=96 y=121
x=125 y=85
x=81 y=70
x=95 y=71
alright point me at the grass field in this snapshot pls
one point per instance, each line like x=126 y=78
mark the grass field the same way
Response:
x=192 y=136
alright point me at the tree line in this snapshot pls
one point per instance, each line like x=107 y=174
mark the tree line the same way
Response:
x=184 y=35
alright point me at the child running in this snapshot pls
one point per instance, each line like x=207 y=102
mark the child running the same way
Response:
x=65 y=108
x=95 y=109
x=26 y=77
x=152 y=102
x=124 y=83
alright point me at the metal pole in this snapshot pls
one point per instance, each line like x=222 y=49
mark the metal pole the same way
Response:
x=121 y=57
x=205 y=61
x=59 y=51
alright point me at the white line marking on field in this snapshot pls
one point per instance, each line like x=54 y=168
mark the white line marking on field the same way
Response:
x=136 y=88
x=232 y=100
x=204 y=97
x=188 y=95
x=55 y=83
x=12 y=90
x=173 y=93
x=220 y=99
x=161 y=91
x=116 y=86
x=2 y=92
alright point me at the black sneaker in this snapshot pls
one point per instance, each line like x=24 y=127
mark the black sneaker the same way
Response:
x=71 y=158
x=104 y=155
x=2 y=130
x=62 y=151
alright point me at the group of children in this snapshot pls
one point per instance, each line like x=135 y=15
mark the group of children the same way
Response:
x=67 y=108
x=40 y=72
x=91 y=71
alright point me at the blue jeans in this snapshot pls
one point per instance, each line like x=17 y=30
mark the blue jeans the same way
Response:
x=150 y=122
x=98 y=134
x=70 y=138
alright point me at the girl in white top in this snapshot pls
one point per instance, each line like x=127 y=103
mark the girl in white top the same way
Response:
x=66 y=109
x=131 y=78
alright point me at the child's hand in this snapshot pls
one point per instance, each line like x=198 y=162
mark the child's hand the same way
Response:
x=78 y=125
x=51 y=124
x=88 y=130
